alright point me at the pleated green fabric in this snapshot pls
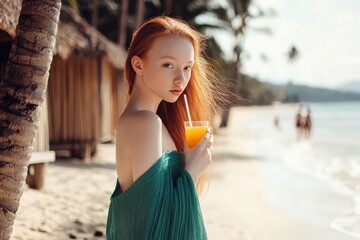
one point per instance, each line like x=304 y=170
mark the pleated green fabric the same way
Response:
x=160 y=205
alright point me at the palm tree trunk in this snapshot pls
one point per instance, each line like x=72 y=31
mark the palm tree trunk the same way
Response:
x=21 y=93
x=168 y=6
x=95 y=14
x=140 y=11
x=123 y=23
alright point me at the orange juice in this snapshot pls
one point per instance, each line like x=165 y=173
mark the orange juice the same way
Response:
x=195 y=133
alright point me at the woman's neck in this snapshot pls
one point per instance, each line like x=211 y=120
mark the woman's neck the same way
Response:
x=141 y=101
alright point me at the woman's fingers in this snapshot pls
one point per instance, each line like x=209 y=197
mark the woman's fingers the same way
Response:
x=205 y=139
x=207 y=142
x=210 y=143
x=198 y=158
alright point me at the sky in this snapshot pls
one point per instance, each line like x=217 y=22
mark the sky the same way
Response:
x=325 y=32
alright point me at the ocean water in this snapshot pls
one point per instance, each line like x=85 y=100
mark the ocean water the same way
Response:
x=331 y=153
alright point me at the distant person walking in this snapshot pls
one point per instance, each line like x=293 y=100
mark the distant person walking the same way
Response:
x=299 y=124
x=303 y=123
x=307 y=123
x=277 y=122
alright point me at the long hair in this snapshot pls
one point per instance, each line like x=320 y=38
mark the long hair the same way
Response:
x=201 y=89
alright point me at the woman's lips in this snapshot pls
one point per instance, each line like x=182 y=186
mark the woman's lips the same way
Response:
x=176 y=92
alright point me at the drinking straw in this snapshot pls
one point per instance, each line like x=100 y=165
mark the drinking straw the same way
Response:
x=187 y=109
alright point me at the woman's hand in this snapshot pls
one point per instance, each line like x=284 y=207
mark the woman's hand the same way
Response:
x=198 y=158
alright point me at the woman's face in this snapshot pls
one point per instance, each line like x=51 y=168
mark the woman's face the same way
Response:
x=167 y=66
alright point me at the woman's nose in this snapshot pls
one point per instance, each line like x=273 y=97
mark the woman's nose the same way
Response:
x=180 y=78
x=178 y=82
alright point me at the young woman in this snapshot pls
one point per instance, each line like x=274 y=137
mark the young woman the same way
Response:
x=158 y=175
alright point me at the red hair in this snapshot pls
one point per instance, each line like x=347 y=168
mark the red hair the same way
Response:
x=200 y=90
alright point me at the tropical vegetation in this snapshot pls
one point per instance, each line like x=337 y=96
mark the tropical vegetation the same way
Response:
x=117 y=19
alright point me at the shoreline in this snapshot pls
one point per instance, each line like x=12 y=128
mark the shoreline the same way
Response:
x=269 y=199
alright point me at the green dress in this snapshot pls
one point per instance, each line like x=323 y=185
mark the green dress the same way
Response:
x=162 y=204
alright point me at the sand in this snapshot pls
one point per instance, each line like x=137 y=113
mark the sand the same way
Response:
x=247 y=198
x=73 y=204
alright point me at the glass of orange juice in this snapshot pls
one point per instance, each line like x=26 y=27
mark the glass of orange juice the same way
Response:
x=195 y=131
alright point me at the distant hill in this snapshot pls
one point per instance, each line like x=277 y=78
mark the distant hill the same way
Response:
x=352 y=86
x=305 y=93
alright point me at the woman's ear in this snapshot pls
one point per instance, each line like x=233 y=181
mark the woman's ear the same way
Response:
x=137 y=64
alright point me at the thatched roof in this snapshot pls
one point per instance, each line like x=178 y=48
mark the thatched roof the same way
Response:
x=75 y=36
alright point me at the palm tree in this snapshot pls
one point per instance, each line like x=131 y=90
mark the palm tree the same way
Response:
x=168 y=6
x=292 y=57
x=139 y=14
x=104 y=15
x=240 y=15
x=123 y=19
x=22 y=91
x=293 y=54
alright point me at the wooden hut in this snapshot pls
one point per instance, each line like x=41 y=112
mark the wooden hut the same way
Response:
x=85 y=88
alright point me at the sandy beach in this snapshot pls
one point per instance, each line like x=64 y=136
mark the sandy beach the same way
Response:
x=248 y=197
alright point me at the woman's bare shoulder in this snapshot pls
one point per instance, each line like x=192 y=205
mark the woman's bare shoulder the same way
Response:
x=139 y=120
x=140 y=115
x=141 y=132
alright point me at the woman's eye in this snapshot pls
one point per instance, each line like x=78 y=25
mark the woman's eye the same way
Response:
x=188 y=68
x=168 y=65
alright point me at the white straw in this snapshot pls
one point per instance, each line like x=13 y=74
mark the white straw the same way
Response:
x=187 y=109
